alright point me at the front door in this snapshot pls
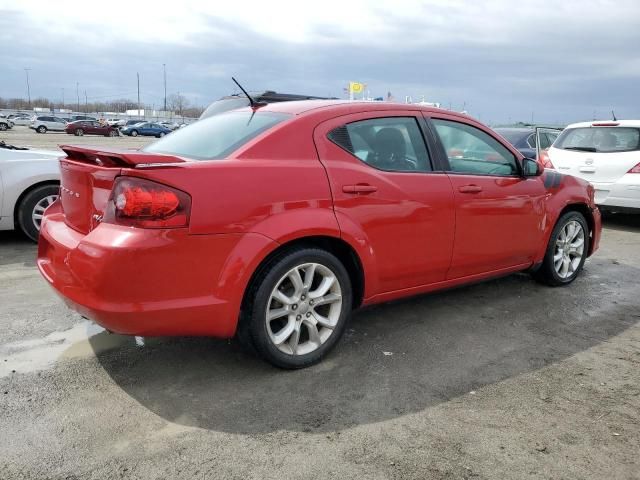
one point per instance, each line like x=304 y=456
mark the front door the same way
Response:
x=384 y=186
x=499 y=213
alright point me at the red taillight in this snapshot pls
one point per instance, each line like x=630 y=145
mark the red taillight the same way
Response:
x=544 y=159
x=635 y=169
x=142 y=203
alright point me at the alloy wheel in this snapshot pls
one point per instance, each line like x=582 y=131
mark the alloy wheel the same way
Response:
x=303 y=309
x=41 y=206
x=569 y=249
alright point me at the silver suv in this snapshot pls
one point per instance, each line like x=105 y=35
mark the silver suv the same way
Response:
x=44 y=123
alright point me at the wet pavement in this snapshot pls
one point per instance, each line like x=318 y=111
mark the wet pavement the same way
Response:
x=504 y=379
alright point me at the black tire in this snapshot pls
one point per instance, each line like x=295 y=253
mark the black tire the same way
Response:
x=41 y=129
x=133 y=133
x=4 y=126
x=252 y=331
x=79 y=132
x=27 y=206
x=161 y=134
x=112 y=133
x=547 y=273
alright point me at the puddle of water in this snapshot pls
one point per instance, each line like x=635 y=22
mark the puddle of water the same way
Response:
x=40 y=353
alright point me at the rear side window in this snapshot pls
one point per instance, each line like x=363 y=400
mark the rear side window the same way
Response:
x=392 y=144
x=217 y=136
x=599 y=139
x=474 y=152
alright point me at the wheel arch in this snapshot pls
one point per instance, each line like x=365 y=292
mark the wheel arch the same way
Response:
x=26 y=192
x=586 y=212
x=334 y=245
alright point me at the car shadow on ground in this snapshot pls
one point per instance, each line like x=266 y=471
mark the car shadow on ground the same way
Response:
x=621 y=221
x=395 y=358
x=17 y=248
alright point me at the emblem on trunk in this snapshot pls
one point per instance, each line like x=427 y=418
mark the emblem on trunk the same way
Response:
x=69 y=192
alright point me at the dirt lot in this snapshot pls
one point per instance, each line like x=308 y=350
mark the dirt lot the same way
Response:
x=21 y=136
x=506 y=379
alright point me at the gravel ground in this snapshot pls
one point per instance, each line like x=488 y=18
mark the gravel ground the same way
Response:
x=22 y=136
x=505 y=379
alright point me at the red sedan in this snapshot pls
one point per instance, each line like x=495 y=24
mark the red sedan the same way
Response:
x=273 y=223
x=90 y=127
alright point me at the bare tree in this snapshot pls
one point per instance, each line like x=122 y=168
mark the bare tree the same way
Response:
x=177 y=103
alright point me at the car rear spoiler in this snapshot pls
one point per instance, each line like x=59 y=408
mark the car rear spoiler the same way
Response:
x=118 y=157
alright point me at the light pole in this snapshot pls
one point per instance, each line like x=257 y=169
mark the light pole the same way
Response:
x=138 y=75
x=26 y=70
x=63 y=98
x=78 y=96
x=164 y=71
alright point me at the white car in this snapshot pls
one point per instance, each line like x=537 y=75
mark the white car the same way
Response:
x=44 y=123
x=29 y=183
x=24 y=120
x=6 y=123
x=607 y=154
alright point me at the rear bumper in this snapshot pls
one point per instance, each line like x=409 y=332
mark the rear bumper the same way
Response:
x=147 y=282
x=624 y=193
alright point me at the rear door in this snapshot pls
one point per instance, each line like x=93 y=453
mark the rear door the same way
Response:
x=385 y=187
x=499 y=213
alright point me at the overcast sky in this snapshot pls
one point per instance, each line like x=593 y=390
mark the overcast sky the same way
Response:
x=559 y=61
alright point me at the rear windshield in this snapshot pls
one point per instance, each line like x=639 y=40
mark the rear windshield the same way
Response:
x=513 y=136
x=224 y=105
x=218 y=136
x=600 y=139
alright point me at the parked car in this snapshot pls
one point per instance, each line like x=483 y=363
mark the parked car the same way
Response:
x=6 y=123
x=89 y=127
x=171 y=126
x=116 y=122
x=607 y=154
x=21 y=119
x=231 y=102
x=44 y=123
x=128 y=123
x=29 y=183
x=75 y=118
x=147 y=129
x=273 y=223
x=524 y=139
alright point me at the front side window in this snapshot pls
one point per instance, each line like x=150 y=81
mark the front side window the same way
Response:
x=391 y=144
x=599 y=139
x=472 y=151
x=217 y=136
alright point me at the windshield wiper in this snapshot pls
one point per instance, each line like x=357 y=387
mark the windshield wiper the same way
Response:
x=581 y=149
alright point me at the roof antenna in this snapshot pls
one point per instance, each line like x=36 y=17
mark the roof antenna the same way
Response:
x=613 y=114
x=252 y=102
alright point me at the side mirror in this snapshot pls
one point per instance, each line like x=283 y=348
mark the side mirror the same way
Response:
x=531 y=168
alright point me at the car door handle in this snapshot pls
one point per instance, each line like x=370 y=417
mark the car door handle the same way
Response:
x=361 y=188
x=470 y=189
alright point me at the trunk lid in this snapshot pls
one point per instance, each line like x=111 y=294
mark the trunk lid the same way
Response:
x=87 y=176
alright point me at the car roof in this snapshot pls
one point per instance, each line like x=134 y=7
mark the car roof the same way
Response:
x=606 y=123
x=347 y=106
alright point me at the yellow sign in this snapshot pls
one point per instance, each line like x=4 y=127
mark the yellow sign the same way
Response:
x=356 y=87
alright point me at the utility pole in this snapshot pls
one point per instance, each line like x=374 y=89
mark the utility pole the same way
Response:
x=138 y=75
x=86 y=106
x=26 y=70
x=164 y=71
x=63 y=98
x=78 y=96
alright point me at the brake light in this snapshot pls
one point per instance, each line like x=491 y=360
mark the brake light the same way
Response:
x=143 y=203
x=635 y=169
x=605 y=124
x=544 y=159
